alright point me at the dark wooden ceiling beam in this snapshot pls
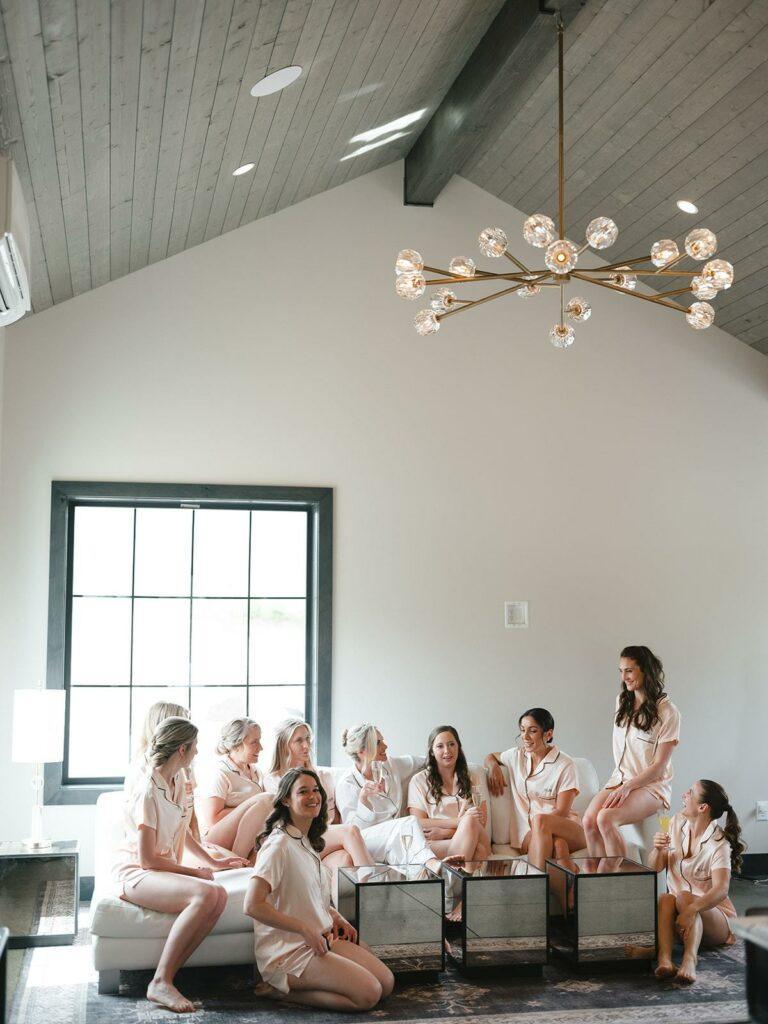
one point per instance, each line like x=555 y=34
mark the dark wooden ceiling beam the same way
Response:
x=521 y=35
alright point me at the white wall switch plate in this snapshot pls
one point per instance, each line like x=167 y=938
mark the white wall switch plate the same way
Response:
x=516 y=614
x=761 y=810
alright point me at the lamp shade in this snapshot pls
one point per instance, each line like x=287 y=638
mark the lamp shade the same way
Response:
x=38 y=726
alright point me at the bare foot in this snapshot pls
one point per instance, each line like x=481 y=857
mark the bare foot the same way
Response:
x=167 y=995
x=455 y=914
x=687 y=972
x=266 y=991
x=665 y=969
x=639 y=952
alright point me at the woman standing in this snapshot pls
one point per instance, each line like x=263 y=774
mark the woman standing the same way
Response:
x=305 y=950
x=374 y=804
x=645 y=732
x=543 y=786
x=441 y=798
x=149 y=872
x=343 y=844
x=699 y=857
x=234 y=803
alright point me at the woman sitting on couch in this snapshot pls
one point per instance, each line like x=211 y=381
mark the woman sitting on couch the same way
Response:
x=371 y=796
x=305 y=951
x=343 y=844
x=441 y=797
x=543 y=786
x=149 y=872
x=234 y=803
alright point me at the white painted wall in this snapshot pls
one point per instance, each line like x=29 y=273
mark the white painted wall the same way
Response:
x=620 y=486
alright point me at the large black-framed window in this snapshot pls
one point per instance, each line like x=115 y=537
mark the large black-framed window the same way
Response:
x=217 y=597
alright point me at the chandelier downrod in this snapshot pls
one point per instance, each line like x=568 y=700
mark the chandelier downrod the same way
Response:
x=560 y=127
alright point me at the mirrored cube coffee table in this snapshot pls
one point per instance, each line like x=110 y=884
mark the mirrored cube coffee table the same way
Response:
x=600 y=907
x=39 y=893
x=398 y=912
x=501 y=911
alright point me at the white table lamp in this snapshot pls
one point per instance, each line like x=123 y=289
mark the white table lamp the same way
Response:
x=38 y=738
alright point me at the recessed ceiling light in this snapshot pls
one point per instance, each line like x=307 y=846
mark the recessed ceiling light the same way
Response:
x=243 y=169
x=686 y=206
x=392 y=126
x=276 y=81
x=374 y=145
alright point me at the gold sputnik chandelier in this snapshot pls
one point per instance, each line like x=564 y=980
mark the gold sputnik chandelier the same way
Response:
x=561 y=260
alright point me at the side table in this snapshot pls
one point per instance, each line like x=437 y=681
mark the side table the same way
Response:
x=605 y=904
x=503 y=923
x=754 y=930
x=398 y=912
x=39 y=894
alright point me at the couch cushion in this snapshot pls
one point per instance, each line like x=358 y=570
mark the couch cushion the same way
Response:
x=113 y=917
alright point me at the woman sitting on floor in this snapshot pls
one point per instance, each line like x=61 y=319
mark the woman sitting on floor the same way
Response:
x=234 y=803
x=149 y=872
x=699 y=857
x=343 y=844
x=543 y=786
x=441 y=798
x=374 y=805
x=305 y=951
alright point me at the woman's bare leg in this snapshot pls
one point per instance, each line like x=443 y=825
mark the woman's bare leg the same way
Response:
x=545 y=828
x=242 y=825
x=708 y=925
x=638 y=806
x=335 y=982
x=198 y=904
x=361 y=954
x=667 y=912
x=595 y=843
x=465 y=839
x=350 y=839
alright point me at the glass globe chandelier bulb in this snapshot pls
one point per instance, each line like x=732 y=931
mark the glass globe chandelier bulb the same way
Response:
x=700 y=316
x=410 y=286
x=561 y=256
x=602 y=232
x=528 y=290
x=702 y=288
x=562 y=336
x=426 y=322
x=408 y=262
x=492 y=242
x=443 y=300
x=719 y=273
x=539 y=230
x=578 y=309
x=664 y=252
x=700 y=244
x=624 y=279
x=462 y=266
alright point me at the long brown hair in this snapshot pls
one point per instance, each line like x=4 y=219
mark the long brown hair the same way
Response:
x=713 y=794
x=282 y=813
x=647 y=715
x=433 y=773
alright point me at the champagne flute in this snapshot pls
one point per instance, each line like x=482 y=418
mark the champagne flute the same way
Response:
x=376 y=771
x=477 y=796
x=407 y=837
x=664 y=819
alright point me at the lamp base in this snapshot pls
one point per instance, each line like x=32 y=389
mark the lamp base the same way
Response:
x=37 y=844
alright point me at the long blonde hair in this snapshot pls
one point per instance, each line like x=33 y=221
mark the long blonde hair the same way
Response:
x=156 y=714
x=283 y=736
x=171 y=734
x=360 y=739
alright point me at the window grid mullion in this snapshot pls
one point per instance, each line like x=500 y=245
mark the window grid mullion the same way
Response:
x=248 y=621
x=191 y=592
x=130 y=657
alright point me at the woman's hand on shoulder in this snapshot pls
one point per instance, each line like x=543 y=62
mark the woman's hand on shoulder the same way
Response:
x=495 y=776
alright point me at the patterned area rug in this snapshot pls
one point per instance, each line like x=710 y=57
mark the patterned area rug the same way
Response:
x=58 y=986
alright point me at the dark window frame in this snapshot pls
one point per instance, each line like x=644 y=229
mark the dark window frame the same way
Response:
x=316 y=501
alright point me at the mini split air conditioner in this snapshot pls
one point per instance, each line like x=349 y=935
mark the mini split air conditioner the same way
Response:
x=14 y=246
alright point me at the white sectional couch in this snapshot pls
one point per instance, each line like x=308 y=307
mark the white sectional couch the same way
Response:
x=126 y=937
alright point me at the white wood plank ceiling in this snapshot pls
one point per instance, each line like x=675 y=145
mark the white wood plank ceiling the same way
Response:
x=127 y=118
x=664 y=100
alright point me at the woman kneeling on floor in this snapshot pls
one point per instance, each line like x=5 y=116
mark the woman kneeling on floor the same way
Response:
x=149 y=871
x=305 y=951
x=699 y=857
